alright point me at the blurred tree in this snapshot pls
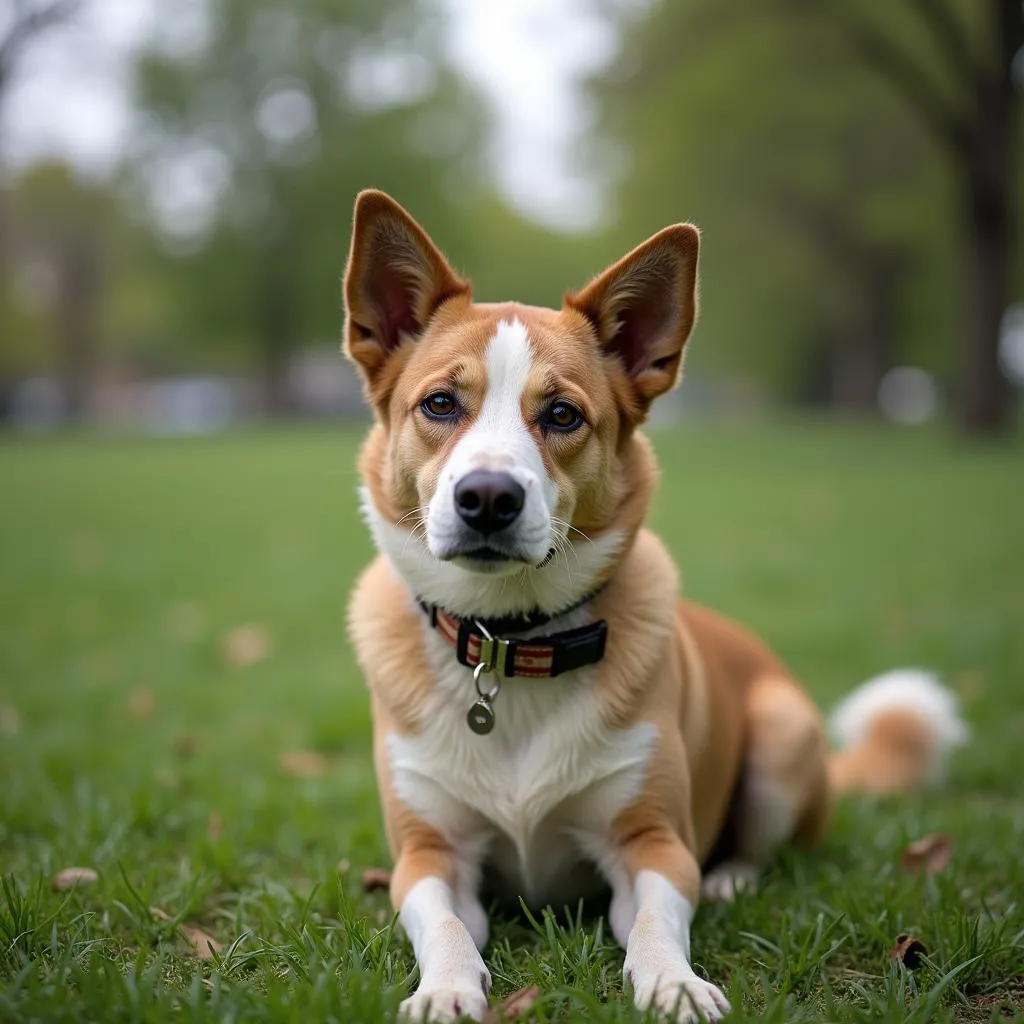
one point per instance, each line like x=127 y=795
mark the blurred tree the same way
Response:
x=968 y=101
x=23 y=22
x=57 y=233
x=831 y=239
x=260 y=132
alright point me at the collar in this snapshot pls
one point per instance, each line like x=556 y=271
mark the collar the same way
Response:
x=480 y=642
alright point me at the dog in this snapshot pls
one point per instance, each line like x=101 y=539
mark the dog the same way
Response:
x=549 y=718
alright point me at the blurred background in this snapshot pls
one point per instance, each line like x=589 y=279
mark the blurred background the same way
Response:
x=182 y=721
x=178 y=181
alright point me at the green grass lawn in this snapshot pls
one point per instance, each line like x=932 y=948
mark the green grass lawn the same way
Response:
x=129 y=743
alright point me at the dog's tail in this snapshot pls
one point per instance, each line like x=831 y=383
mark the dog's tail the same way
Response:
x=894 y=733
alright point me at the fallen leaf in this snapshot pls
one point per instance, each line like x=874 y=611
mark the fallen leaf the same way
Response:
x=304 y=764
x=70 y=877
x=186 y=746
x=908 y=951
x=142 y=703
x=376 y=878
x=1008 y=1002
x=928 y=855
x=214 y=825
x=514 y=1005
x=245 y=646
x=10 y=720
x=205 y=945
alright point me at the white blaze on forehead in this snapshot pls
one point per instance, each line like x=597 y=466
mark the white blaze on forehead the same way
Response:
x=499 y=439
x=499 y=432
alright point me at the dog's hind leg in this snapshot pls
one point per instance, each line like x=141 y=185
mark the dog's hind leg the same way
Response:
x=783 y=792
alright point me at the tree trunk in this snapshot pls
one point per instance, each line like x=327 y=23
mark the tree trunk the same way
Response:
x=78 y=284
x=985 y=398
x=276 y=326
x=856 y=368
x=867 y=337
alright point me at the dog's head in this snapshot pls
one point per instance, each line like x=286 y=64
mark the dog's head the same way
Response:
x=504 y=471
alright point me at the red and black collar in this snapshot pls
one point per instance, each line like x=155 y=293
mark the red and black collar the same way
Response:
x=485 y=641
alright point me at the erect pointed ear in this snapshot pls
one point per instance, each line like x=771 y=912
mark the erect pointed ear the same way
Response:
x=643 y=309
x=394 y=281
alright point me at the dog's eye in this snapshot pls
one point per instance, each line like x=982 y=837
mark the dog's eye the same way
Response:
x=439 y=405
x=562 y=416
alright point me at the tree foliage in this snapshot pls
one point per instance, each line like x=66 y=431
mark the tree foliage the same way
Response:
x=283 y=113
x=833 y=235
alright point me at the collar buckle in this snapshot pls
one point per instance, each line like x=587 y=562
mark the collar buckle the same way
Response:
x=493 y=651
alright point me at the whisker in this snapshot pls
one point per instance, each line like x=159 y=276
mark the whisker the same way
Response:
x=568 y=526
x=417 y=511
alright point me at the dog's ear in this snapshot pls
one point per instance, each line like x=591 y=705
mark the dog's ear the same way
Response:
x=394 y=281
x=643 y=309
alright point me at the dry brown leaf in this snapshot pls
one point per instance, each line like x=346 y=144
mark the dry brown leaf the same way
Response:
x=1008 y=1001
x=376 y=878
x=928 y=855
x=514 y=1005
x=215 y=825
x=10 y=720
x=142 y=703
x=304 y=764
x=245 y=645
x=70 y=877
x=908 y=951
x=186 y=746
x=205 y=945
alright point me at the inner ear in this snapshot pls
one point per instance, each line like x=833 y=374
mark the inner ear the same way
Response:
x=646 y=318
x=392 y=296
x=395 y=281
x=643 y=307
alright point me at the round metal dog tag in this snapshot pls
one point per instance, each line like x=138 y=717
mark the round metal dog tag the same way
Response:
x=481 y=717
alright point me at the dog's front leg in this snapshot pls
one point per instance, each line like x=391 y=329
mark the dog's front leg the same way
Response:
x=653 y=904
x=454 y=981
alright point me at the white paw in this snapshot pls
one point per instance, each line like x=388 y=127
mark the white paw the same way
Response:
x=683 y=999
x=445 y=1004
x=722 y=883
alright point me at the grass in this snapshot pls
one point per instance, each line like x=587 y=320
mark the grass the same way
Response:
x=129 y=744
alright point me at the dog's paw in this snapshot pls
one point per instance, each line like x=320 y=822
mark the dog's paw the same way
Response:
x=445 y=1004
x=682 y=999
x=722 y=883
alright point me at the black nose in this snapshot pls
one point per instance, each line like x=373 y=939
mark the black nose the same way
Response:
x=488 y=501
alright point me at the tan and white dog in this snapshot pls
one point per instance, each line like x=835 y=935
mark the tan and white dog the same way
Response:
x=548 y=716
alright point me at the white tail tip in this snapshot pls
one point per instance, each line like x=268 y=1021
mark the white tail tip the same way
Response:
x=906 y=689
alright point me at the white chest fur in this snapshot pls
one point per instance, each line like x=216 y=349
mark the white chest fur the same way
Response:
x=533 y=797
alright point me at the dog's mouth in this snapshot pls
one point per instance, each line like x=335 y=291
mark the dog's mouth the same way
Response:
x=488 y=554
x=487 y=558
